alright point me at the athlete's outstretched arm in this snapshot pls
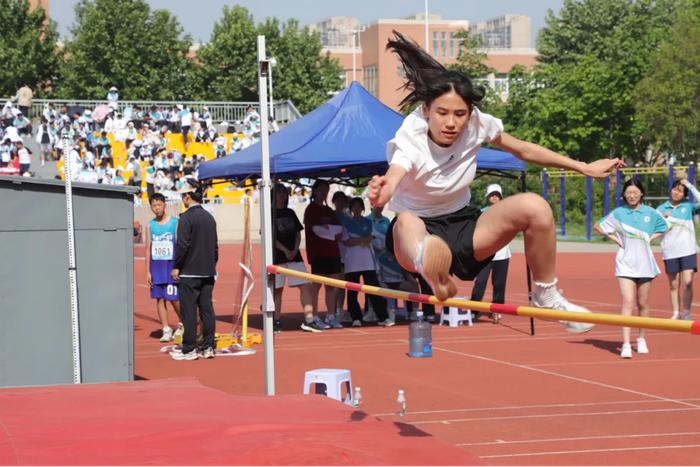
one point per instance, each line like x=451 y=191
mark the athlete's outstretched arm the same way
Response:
x=531 y=152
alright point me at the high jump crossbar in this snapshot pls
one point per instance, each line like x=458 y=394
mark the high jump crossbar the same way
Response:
x=690 y=326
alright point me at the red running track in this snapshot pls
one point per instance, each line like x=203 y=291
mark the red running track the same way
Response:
x=493 y=390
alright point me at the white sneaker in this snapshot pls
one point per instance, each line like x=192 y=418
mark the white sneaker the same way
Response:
x=626 y=351
x=550 y=297
x=332 y=322
x=320 y=323
x=642 y=345
x=387 y=323
x=674 y=315
x=193 y=355
x=167 y=334
x=357 y=323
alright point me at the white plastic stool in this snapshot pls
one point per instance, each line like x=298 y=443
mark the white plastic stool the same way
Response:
x=329 y=382
x=453 y=317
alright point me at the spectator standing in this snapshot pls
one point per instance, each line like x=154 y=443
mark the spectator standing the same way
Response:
x=45 y=140
x=340 y=203
x=196 y=255
x=633 y=227
x=113 y=98
x=322 y=234
x=185 y=123
x=24 y=157
x=287 y=238
x=679 y=247
x=24 y=99
x=22 y=123
x=160 y=259
x=359 y=263
x=498 y=267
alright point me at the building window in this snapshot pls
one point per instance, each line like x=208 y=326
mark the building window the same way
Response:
x=500 y=84
x=435 y=44
x=452 y=44
x=369 y=75
x=444 y=44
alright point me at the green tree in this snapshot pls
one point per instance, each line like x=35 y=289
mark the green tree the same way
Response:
x=229 y=70
x=28 y=48
x=228 y=61
x=123 y=43
x=668 y=98
x=471 y=61
x=303 y=73
x=580 y=99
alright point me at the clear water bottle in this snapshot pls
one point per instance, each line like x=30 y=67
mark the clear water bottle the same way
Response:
x=401 y=403
x=420 y=338
x=357 y=398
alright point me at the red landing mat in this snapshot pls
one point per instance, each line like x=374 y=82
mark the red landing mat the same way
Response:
x=181 y=422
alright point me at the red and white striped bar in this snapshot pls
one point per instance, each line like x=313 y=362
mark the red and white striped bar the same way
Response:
x=663 y=324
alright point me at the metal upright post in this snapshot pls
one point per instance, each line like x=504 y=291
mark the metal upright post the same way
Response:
x=268 y=302
x=545 y=184
x=589 y=206
x=562 y=204
x=72 y=269
x=618 y=188
x=691 y=178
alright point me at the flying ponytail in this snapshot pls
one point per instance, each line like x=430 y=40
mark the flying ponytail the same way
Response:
x=426 y=78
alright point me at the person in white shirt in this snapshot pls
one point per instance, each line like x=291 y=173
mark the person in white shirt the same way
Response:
x=113 y=98
x=633 y=227
x=25 y=159
x=498 y=267
x=679 y=246
x=432 y=163
x=185 y=123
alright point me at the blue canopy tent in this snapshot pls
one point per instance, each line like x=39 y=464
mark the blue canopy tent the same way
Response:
x=344 y=138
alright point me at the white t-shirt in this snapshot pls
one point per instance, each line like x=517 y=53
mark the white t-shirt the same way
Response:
x=24 y=157
x=437 y=179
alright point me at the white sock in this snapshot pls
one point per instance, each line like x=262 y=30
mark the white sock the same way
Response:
x=546 y=285
x=418 y=261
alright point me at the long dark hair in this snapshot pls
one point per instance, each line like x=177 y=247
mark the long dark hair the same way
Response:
x=426 y=78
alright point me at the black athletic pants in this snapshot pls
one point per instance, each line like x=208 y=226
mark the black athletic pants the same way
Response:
x=196 y=292
x=499 y=274
x=378 y=303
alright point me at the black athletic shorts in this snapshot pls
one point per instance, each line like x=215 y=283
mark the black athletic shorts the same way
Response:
x=457 y=229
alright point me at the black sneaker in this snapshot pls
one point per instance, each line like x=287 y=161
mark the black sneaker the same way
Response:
x=310 y=327
x=277 y=326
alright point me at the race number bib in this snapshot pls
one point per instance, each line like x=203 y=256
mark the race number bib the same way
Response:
x=162 y=250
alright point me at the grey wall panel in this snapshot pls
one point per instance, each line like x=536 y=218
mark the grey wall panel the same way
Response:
x=35 y=320
x=104 y=338
x=35 y=330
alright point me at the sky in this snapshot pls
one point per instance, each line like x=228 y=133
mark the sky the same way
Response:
x=198 y=16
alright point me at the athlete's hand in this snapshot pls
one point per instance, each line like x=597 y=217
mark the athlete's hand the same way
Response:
x=175 y=274
x=378 y=191
x=603 y=167
x=149 y=279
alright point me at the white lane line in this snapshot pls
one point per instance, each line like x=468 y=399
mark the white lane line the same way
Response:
x=580 y=438
x=534 y=406
x=589 y=451
x=572 y=378
x=554 y=415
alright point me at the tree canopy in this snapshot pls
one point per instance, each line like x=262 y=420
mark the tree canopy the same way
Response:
x=28 y=48
x=668 y=98
x=580 y=98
